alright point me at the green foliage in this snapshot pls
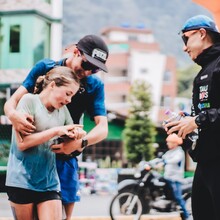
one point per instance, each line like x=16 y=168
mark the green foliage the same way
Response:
x=4 y=152
x=139 y=133
x=185 y=80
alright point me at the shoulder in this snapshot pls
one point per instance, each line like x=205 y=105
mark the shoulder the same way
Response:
x=28 y=101
x=45 y=63
x=28 y=96
x=180 y=150
x=95 y=80
x=94 y=83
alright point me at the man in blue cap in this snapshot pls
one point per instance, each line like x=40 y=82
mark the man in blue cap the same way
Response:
x=202 y=42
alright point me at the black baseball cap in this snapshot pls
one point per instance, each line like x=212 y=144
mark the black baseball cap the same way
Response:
x=95 y=50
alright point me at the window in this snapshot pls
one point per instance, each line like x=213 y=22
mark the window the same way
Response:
x=132 y=38
x=124 y=72
x=15 y=39
x=167 y=76
x=165 y=101
x=143 y=70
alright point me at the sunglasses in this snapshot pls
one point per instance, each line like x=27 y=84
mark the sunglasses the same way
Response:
x=88 y=66
x=186 y=38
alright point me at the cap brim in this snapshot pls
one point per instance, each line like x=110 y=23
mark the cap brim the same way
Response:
x=96 y=62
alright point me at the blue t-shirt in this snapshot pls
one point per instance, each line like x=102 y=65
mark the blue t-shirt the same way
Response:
x=92 y=100
x=35 y=168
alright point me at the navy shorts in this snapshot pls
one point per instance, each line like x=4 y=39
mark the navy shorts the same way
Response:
x=26 y=196
x=69 y=179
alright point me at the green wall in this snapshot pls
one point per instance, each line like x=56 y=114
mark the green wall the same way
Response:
x=34 y=41
x=114 y=129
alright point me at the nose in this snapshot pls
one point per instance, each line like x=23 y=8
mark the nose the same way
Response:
x=184 y=48
x=68 y=99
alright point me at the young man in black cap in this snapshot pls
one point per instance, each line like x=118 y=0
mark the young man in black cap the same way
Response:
x=202 y=42
x=88 y=57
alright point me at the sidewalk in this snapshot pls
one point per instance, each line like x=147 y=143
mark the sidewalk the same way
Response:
x=144 y=217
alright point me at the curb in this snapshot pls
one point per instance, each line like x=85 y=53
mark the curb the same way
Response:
x=143 y=217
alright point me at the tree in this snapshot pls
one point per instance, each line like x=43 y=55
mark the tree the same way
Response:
x=185 y=80
x=139 y=133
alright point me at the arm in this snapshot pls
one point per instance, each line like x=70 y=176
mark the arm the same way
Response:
x=98 y=133
x=97 y=111
x=185 y=126
x=35 y=139
x=174 y=160
x=209 y=118
x=22 y=122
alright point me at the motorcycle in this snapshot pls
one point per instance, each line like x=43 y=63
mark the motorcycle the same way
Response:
x=147 y=193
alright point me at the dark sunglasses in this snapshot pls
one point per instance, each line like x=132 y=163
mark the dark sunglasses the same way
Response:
x=88 y=66
x=186 y=38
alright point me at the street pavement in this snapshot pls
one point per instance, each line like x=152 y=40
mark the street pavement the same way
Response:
x=91 y=207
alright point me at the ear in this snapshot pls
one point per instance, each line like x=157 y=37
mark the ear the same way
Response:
x=203 y=33
x=76 y=52
x=52 y=84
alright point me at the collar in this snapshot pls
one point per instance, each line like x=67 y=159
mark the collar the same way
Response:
x=208 y=55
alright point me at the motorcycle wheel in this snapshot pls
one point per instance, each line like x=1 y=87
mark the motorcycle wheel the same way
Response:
x=125 y=204
x=143 y=196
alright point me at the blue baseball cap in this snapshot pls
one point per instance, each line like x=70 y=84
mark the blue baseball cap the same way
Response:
x=200 y=21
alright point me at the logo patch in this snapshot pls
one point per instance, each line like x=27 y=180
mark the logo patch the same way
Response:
x=203 y=93
x=204 y=105
x=101 y=55
x=204 y=77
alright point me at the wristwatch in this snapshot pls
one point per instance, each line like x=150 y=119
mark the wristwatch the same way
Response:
x=84 y=143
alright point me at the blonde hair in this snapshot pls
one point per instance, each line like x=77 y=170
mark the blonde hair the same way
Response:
x=61 y=75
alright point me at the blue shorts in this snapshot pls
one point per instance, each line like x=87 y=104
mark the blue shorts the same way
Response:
x=69 y=179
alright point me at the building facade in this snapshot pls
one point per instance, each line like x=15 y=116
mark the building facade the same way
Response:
x=135 y=55
x=29 y=31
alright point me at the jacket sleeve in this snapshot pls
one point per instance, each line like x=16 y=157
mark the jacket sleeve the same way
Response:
x=174 y=159
x=211 y=117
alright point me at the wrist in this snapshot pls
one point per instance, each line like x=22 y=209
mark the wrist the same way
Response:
x=197 y=121
x=84 y=142
x=200 y=119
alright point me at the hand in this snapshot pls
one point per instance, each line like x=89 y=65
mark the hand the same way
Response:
x=183 y=127
x=65 y=130
x=23 y=123
x=67 y=147
x=77 y=132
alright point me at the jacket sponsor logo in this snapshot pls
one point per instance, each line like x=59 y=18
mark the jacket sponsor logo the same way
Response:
x=203 y=93
x=204 y=77
x=204 y=105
